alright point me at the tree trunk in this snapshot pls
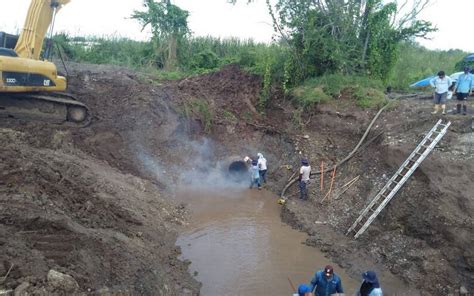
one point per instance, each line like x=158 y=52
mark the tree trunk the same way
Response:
x=170 y=63
x=365 y=30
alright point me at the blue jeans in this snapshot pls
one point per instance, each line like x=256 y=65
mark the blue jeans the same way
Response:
x=303 y=190
x=255 y=181
x=263 y=173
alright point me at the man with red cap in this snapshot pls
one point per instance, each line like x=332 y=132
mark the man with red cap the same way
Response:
x=326 y=282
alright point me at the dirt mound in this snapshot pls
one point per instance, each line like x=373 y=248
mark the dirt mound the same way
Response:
x=63 y=210
x=72 y=200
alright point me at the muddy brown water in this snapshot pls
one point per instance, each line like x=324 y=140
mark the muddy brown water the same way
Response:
x=238 y=245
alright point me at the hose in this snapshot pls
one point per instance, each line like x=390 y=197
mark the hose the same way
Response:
x=349 y=156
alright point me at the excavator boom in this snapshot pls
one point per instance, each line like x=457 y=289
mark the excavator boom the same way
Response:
x=39 y=17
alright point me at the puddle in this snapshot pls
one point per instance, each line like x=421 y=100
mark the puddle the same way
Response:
x=239 y=246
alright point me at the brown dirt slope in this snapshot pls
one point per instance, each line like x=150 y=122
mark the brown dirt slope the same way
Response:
x=425 y=235
x=72 y=200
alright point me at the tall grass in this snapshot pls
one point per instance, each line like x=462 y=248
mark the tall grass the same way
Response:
x=195 y=55
x=100 y=50
x=416 y=62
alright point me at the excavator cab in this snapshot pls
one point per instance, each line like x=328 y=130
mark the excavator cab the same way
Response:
x=8 y=41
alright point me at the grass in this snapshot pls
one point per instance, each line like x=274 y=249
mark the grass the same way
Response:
x=416 y=62
x=200 y=109
x=229 y=116
x=368 y=93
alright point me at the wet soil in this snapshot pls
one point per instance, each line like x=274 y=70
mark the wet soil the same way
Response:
x=94 y=202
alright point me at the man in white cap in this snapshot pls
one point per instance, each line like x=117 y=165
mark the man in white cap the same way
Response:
x=262 y=167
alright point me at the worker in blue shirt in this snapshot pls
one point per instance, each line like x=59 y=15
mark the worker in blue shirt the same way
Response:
x=463 y=89
x=326 y=282
x=255 y=175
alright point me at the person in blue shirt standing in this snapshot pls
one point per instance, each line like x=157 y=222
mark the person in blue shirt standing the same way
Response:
x=326 y=282
x=255 y=175
x=463 y=89
x=442 y=83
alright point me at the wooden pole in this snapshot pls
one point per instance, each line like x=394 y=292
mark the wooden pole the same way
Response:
x=328 y=195
x=346 y=187
x=322 y=176
x=292 y=286
x=350 y=182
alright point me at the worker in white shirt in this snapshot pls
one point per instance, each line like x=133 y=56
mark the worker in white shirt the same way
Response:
x=305 y=172
x=262 y=167
x=441 y=83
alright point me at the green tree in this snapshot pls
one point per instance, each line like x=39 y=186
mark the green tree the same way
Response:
x=345 y=36
x=169 y=24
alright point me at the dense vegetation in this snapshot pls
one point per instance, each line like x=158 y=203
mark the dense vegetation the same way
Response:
x=323 y=50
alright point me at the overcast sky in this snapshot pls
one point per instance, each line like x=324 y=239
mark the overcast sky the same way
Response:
x=217 y=18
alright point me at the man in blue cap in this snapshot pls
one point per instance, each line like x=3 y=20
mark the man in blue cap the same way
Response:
x=463 y=89
x=326 y=282
x=370 y=286
x=305 y=172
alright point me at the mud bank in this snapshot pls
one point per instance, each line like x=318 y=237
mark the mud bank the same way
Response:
x=425 y=234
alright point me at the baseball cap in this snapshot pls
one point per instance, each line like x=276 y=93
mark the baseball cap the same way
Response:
x=370 y=276
x=328 y=270
x=303 y=288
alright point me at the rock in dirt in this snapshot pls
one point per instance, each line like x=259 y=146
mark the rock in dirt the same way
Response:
x=61 y=281
x=21 y=289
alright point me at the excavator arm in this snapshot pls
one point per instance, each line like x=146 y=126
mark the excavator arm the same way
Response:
x=39 y=18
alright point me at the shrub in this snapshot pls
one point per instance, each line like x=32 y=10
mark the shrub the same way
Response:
x=367 y=92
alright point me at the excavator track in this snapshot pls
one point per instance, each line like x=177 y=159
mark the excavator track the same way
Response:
x=56 y=108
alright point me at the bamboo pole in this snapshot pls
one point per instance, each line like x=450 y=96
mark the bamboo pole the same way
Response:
x=328 y=195
x=347 y=187
x=322 y=176
x=353 y=152
x=292 y=286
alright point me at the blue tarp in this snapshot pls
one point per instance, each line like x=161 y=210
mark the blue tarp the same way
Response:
x=426 y=82
x=469 y=58
x=423 y=83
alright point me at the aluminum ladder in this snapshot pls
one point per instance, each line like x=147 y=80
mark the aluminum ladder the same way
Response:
x=398 y=179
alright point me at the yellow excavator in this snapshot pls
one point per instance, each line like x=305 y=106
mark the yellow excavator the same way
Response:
x=30 y=88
